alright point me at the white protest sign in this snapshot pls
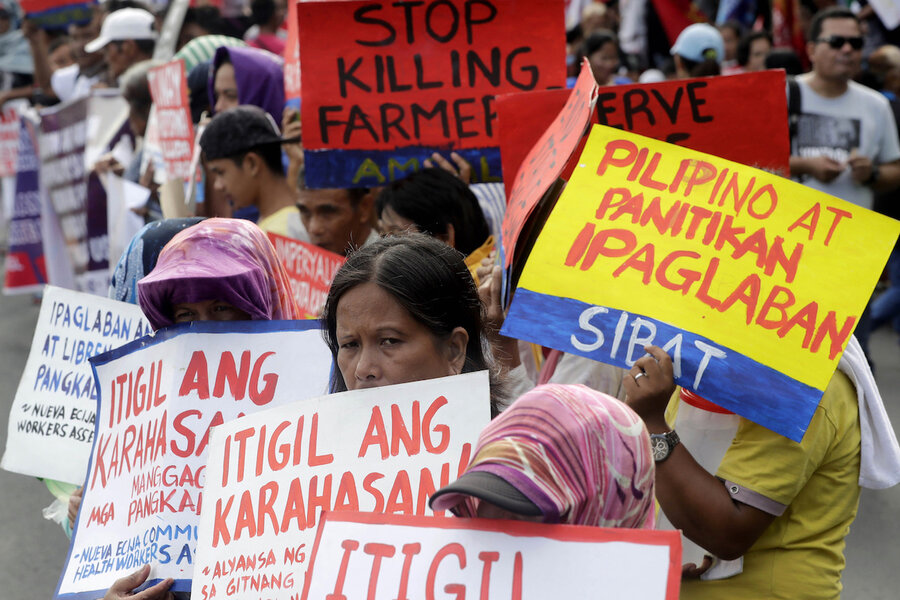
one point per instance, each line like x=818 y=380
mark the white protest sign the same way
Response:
x=159 y=398
x=383 y=557
x=270 y=475
x=51 y=422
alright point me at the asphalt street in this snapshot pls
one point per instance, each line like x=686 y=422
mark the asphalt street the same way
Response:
x=33 y=550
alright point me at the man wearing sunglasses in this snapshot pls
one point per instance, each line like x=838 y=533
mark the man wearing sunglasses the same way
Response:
x=845 y=142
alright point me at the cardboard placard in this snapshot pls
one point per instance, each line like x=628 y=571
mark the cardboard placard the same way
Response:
x=750 y=281
x=25 y=268
x=310 y=270
x=168 y=87
x=546 y=159
x=270 y=475
x=57 y=14
x=396 y=83
x=9 y=141
x=382 y=557
x=708 y=114
x=51 y=422
x=292 y=58
x=160 y=396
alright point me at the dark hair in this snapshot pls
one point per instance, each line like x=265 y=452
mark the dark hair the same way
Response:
x=743 y=49
x=734 y=25
x=784 y=58
x=433 y=199
x=112 y=6
x=135 y=87
x=597 y=40
x=707 y=68
x=835 y=12
x=427 y=278
x=270 y=155
x=209 y=18
x=145 y=46
x=261 y=11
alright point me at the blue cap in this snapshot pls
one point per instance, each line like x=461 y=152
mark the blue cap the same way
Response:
x=699 y=42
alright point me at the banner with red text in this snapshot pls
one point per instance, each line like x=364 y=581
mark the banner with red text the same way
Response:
x=9 y=141
x=159 y=397
x=707 y=114
x=51 y=421
x=750 y=281
x=395 y=82
x=383 y=557
x=271 y=474
x=168 y=87
x=310 y=270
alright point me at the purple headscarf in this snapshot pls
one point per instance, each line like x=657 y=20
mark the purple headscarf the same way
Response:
x=259 y=76
x=580 y=456
x=218 y=259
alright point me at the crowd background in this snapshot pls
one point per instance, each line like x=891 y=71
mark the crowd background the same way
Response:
x=624 y=42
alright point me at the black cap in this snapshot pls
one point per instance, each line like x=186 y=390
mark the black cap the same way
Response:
x=485 y=486
x=238 y=130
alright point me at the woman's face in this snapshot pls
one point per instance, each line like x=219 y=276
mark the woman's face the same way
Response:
x=380 y=343
x=208 y=310
x=759 y=50
x=225 y=88
x=604 y=63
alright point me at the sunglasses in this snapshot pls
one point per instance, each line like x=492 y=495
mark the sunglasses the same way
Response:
x=837 y=41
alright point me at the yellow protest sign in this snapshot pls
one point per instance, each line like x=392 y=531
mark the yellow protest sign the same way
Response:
x=751 y=279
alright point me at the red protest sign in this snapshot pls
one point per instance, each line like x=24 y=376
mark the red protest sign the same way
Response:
x=310 y=269
x=710 y=115
x=397 y=81
x=168 y=87
x=57 y=14
x=292 y=54
x=546 y=159
x=387 y=556
x=9 y=141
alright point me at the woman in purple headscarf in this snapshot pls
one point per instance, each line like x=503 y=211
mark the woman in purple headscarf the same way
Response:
x=560 y=454
x=247 y=76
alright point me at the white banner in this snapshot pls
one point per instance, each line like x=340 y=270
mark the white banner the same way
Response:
x=51 y=422
x=159 y=398
x=380 y=557
x=270 y=475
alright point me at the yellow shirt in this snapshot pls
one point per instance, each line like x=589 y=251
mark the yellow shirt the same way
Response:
x=280 y=221
x=801 y=554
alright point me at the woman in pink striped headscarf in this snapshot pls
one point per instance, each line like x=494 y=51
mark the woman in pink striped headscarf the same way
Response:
x=559 y=454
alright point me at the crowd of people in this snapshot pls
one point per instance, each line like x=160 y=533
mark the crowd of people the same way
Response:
x=419 y=296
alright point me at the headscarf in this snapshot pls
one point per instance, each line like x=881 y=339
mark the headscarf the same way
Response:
x=140 y=256
x=15 y=53
x=259 y=76
x=201 y=49
x=218 y=259
x=582 y=457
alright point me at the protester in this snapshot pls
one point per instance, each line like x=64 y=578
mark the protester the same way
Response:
x=732 y=32
x=753 y=50
x=247 y=76
x=559 y=454
x=404 y=308
x=698 y=51
x=601 y=48
x=268 y=18
x=217 y=270
x=242 y=150
x=338 y=219
x=16 y=64
x=435 y=202
x=74 y=81
x=783 y=506
x=127 y=37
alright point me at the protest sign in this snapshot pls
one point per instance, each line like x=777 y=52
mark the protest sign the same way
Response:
x=159 y=398
x=9 y=141
x=750 y=281
x=310 y=270
x=709 y=114
x=888 y=12
x=25 y=269
x=57 y=14
x=546 y=159
x=292 y=58
x=396 y=83
x=125 y=201
x=51 y=422
x=168 y=87
x=271 y=474
x=382 y=557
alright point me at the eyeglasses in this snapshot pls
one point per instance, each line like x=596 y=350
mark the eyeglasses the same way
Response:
x=837 y=41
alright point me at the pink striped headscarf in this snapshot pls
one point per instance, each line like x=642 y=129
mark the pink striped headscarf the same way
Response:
x=582 y=457
x=219 y=259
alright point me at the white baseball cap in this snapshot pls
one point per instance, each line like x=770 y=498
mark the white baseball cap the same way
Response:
x=699 y=42
x=124 y=24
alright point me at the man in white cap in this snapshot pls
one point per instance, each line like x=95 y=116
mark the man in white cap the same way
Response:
x=127 y=37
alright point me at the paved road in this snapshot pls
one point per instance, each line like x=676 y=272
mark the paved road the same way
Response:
x=32 y=550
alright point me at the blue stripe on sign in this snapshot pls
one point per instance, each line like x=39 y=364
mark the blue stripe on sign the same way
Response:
x=368 y=168
x=726 y=377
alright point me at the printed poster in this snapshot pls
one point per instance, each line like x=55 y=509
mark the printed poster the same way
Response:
x=310 y=270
